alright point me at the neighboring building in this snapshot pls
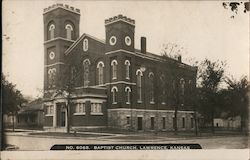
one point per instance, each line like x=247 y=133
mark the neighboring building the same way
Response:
x=8 y=120
x=228 y=123
x=112 y=84
x=32 y=115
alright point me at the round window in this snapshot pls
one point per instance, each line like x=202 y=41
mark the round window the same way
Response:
x=112 y=40
x=128 y=40
x=51 y=55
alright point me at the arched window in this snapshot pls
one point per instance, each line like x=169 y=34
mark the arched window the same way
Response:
x=182 y=84
x=139 y=86
x=51 y=31
x=69 y=30
x=51 y=77
x=151 y=92
x=114 y=91
x=189 y=87
x=114 y=69
x=127 y=67
x=73 y=73
x=128 y=92
x=86 y=64
x=163 y=89
x=85 y=44
x=100 y=67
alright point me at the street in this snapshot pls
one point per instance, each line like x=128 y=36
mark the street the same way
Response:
x=25 y=141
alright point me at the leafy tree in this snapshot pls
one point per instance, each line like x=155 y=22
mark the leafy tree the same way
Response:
x=172 y=50
x=210 y=75
x=12 y=99
x=65 y=87
x=237 y=98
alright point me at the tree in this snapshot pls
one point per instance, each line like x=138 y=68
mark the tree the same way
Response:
x=66 y=88
x=210 y=75
x=172 y=50
x=12 y=99
x=237 y=99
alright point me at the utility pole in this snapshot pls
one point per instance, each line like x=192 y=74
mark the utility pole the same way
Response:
x=68 y=104
x=176 y=107
x=13 y=121
x=194 y=97
x=195 y=122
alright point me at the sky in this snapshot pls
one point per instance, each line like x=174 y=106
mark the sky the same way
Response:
x=204 y=29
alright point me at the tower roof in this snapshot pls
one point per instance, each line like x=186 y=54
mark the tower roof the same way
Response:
x=120 y=17
x=63 y=6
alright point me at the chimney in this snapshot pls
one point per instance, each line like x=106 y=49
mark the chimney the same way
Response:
x=179 y=58
x=143 y=45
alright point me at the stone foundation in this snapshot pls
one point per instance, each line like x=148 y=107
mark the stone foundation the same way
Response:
x=127 y=119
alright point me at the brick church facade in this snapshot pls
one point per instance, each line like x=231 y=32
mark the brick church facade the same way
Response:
x=110 y=83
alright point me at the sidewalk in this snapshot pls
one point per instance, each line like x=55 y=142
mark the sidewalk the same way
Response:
x=140 y=136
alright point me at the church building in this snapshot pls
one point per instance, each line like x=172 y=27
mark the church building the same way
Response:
x=94 y=83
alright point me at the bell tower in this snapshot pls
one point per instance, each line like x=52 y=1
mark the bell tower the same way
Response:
x=61 y=29
x=120 y=33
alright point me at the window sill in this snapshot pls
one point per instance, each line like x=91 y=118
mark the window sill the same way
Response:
x=114 y=78
x=163 y=103
x=80 y=114
x=152 y=102
x=139 y=101
x=49 y=115
x=96 y=114
x=114 y=103
x=127 y=78
x=127 y=103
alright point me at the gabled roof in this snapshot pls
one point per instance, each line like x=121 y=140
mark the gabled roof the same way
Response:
x=148 y=54
x=80 y=38
x=36 y=105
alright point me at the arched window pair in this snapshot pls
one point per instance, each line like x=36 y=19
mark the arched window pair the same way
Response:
x=68 y=27
x=182 y=86
x=114 y=92
x=114 y=64
x=100 y=76
x=139 y=86
x=51 y=77
x=86 y=68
